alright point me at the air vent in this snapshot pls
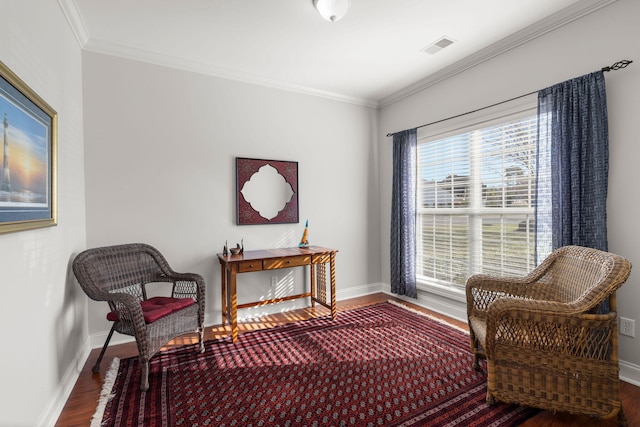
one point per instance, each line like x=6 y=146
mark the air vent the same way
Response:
x=437 y=46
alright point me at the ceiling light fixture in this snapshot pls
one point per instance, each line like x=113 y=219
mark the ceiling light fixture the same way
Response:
x=332 y=10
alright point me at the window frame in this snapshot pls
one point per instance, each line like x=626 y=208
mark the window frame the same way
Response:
x=521 y=107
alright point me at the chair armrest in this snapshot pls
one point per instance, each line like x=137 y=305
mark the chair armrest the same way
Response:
x=188 y=285
x=127 y=308
x=521 y=325
x=483 y=289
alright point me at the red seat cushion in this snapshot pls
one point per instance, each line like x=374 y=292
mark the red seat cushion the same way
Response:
x=158 y=307
x=173 y=303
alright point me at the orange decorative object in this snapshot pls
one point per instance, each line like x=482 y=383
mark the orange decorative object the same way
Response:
x=304 y=242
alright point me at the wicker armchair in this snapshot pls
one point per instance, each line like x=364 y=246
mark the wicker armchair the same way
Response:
x=120 y=275
x=545 y=344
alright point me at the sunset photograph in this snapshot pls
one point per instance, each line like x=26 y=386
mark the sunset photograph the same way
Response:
x=24 y=157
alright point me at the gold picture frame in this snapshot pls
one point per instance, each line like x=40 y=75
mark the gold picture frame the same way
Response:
x=28 y=157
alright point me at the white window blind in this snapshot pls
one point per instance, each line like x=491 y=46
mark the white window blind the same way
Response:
x=476 y=199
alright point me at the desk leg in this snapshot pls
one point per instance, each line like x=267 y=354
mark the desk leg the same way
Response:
x=334 y=311
x=312 y=271
x=234 y=305
x=223 y=287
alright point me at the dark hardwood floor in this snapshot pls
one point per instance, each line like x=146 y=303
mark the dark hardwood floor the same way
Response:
x=82 y=402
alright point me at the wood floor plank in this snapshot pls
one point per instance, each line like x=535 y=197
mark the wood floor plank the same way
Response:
x=83 y=399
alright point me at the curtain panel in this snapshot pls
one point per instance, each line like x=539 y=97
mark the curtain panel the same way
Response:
x=574 y=143
x=403 y=214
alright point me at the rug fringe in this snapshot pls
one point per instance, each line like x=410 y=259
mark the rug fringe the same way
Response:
x=430 y=316
x=105 y=393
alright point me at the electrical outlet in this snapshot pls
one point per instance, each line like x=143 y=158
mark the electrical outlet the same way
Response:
x=628 y=327
x=274 y=281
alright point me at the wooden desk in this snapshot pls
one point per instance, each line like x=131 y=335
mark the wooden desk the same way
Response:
x=271 y=259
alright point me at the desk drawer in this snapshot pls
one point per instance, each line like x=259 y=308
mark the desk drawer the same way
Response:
x=321 y=259
x=254 y=265
x=294 y=261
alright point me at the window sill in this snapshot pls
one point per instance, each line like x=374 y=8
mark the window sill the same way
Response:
x=456 y=294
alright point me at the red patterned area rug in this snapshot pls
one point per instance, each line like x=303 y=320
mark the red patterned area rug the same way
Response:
x=380 y=365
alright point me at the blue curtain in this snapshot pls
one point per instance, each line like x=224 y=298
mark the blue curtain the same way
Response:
x=573 y=141
x=403 y=214
x=574 y=119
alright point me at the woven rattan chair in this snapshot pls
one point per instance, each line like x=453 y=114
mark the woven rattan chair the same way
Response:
x=121 y=276
x=545 y=344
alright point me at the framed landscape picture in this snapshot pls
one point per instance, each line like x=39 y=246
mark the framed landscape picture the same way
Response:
x=28 y=157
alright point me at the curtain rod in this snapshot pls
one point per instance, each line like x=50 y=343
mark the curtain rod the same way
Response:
x=616 y=66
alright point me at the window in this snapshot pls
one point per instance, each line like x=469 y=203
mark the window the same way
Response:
x=476 y=198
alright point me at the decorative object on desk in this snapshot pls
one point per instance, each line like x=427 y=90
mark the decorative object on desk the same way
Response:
x=304 y=242
x=417 y=372
x=239 y=249
x=266 y=191
x=28 y=176
x=225 y=250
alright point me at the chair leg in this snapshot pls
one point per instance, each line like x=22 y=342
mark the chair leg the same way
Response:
x=201 y=339
x=490 y=399
x=622 y=419
x=144 y=377
x=96 y=367
x=474 y=350
x=476 y=364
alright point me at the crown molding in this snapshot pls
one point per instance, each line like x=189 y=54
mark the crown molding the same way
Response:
x=74 y=18
x=557 y=20
x=87 y=43
x=553 y=22
x=111 y=49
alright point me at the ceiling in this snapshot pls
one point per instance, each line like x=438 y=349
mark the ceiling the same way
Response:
x=373 y=56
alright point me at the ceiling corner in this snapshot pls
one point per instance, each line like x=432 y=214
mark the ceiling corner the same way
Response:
x=557 y=20
x=74 y=18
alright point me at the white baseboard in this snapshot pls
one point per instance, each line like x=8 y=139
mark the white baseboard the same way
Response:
x=51 y=413
x=359 y=291
x=215 y=318
x=434 y=302
x=97 y=340
x=629 y=372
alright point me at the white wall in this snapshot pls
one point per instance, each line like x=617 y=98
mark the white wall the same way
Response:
x=160 y=168
x=596 y=40
x=42 y=312
x=160 y=147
